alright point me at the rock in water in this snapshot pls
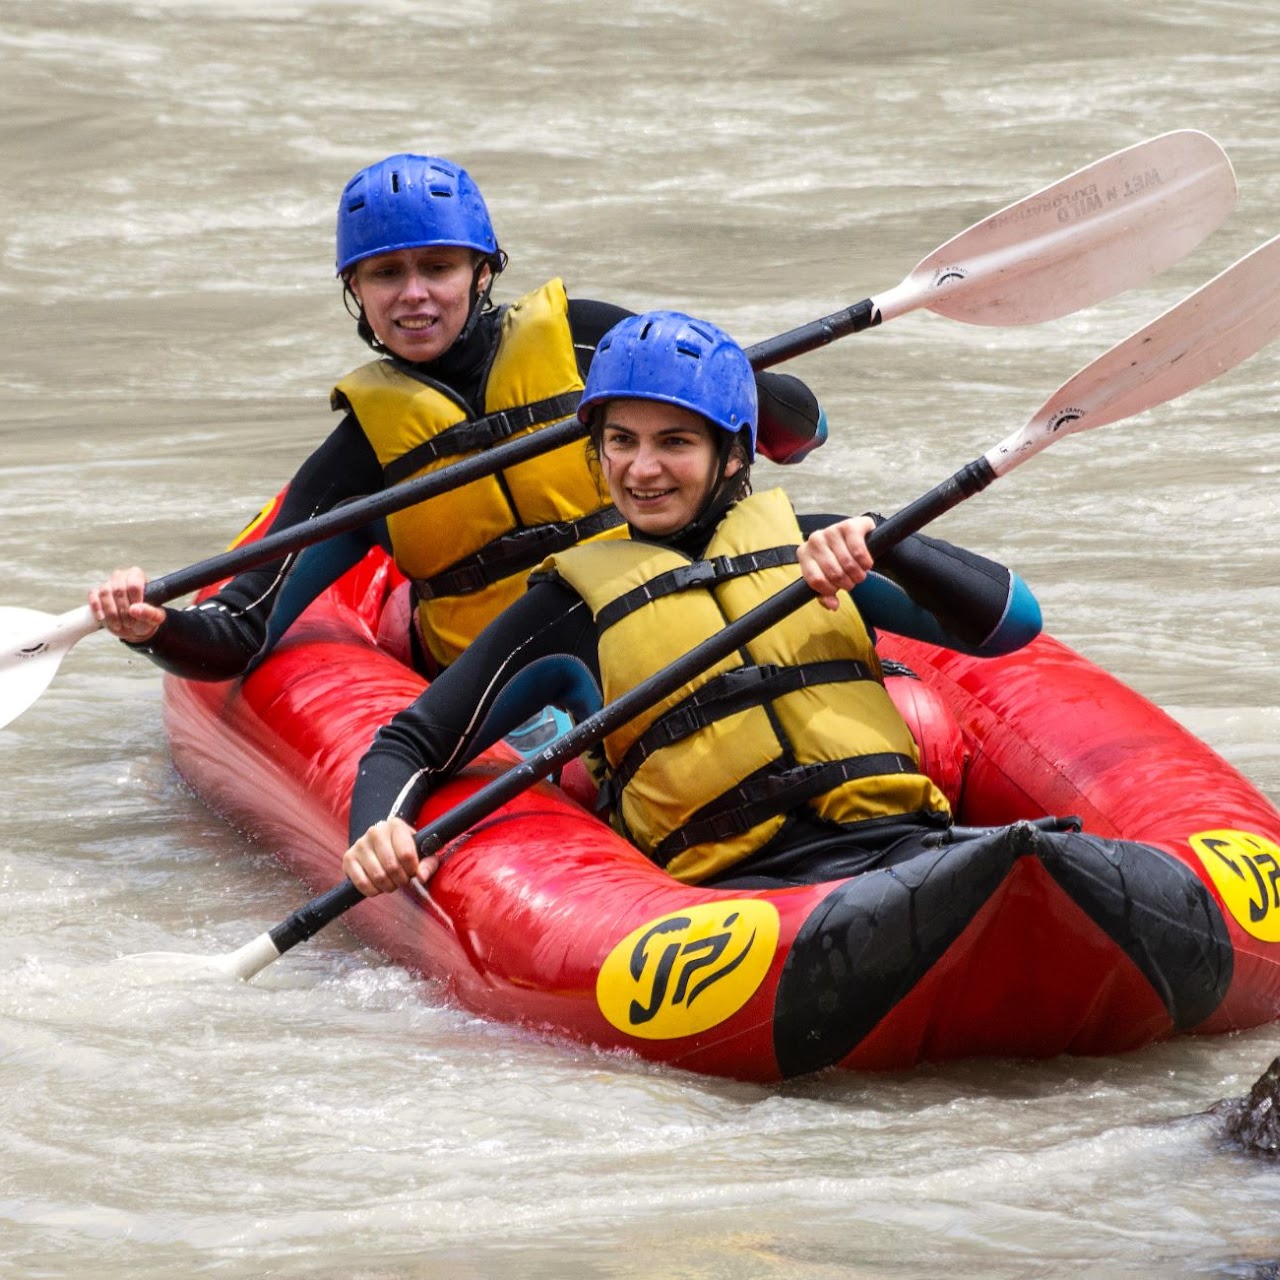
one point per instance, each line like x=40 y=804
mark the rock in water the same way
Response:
x=1254 y=1122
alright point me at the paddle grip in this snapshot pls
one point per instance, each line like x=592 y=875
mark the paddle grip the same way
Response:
x=972 y=478
x=817 y=333
x=312 y=916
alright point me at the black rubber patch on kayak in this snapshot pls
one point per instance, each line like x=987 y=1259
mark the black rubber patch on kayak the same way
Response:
x=1156 y=910
x=870 y=941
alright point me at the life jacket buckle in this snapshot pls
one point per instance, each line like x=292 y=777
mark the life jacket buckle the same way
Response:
x=679 y=724
x=702 y=572
x=506 y=422
x=734 y=682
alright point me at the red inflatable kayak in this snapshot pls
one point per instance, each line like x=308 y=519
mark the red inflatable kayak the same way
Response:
x=1161 y=917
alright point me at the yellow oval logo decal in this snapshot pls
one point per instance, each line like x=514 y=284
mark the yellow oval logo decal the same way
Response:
x=1246 y=870
x=689 y=970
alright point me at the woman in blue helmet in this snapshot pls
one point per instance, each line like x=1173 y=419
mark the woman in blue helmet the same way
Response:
x=786 y=764
x=417 y=256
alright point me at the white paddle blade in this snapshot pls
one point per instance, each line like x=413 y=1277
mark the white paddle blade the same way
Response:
x=32 y=645
x=1102 y=230
x=243 y=964
x=248 y=961
x=173 y=966
x=1214 y=329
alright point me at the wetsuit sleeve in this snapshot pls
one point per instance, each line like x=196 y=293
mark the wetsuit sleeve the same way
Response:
x=431 y=739
x=792 y=423
x=930 y=590
x=589 y=321
x=217 y=639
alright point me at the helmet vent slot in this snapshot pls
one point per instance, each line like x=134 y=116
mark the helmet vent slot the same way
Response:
x=408 y=202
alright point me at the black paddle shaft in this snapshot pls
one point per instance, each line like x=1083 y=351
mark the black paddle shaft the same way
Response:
x=320 y=911
x=363 y=511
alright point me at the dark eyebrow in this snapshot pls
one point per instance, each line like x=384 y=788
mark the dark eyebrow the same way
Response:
x=662 y=431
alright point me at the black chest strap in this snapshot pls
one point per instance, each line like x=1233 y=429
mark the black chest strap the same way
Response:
x=480 y=433
x=769 y=793
x=514 y=553
x=726 y=695
x=698 y=573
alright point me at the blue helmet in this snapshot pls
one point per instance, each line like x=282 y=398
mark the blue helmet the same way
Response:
x=410 y=202
x=671 y=357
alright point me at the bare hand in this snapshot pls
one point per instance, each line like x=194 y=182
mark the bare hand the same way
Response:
x=119 y=605
x=836 y=558
x=385 y=858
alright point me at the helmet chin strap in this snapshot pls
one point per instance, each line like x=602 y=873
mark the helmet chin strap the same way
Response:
x=480 y=297
x=724 y=493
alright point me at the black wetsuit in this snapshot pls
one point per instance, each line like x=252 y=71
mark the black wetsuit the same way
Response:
x=924 y=588
x=219 y=639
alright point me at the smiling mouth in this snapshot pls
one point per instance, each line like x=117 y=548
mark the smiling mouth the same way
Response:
x=649 y=495
x=416 y=324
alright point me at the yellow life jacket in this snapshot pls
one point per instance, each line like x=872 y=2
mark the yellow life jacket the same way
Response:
x=469 y=551
x=706 y=777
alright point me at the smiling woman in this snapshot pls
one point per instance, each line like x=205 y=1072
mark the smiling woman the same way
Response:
x=417 y=255
x=659 y=461
x=671 y=405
